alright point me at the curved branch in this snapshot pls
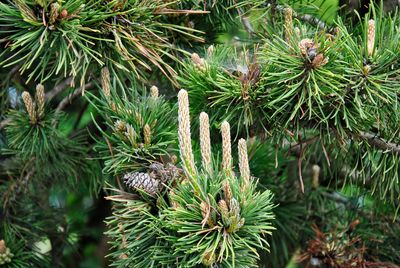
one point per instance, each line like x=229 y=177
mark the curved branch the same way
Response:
x=77 y=92
x=379 y=143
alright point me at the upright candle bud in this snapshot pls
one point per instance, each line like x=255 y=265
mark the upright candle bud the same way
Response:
x=40 y=100
x=30 y=106
x=147 y=134
x=154 y=92
x=198 y=61
x=185 y=143
x=54 y=8
x=371 y=37
x=244 y=162
x=226 y=148
x=105 y=82
x=205 y=143
x=288 y=13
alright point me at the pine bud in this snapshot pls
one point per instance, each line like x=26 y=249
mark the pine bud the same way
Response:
x=297 y=31
x=105 y=82
x=226 y=148
x=147 y=134
x=2 y=247
x=54 y=8
x=206 y=214
x=227 y=191
x=154 y=92
x=223 y=207
x=5 y=253
x=64 y=13
x=198 y=61
x=371 y=37
x=208 y=258
x=210 y=51
x=40 y=100
x=366 y=69
x=305 y=45
x=319 y=61
x=130 y=133
x=185 y=143
x=30 y=106
x=205 y=142
x=174 y=159
x=244 y=162
x=120 y=126
x=234 y=207
x=139 y=118
x=315 y=176
x=172 y=196
x=288 y=13
x=26 y=11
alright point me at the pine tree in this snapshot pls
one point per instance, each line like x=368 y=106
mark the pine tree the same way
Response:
x=231 y=133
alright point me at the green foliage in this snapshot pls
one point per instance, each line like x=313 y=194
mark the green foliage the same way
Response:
x=126 y=112
x=134 y=234
x=225 y=240
x=39 y=144
x=228 y=85
x=67 y=38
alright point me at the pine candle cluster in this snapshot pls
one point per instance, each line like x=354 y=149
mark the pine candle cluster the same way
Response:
x=5 y=253
x=228 y=207
x=35 y=109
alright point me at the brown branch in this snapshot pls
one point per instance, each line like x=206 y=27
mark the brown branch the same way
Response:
x=59 y=88
x=379 y=143
x=77 y=92
x=295 y=149
x=4 y=123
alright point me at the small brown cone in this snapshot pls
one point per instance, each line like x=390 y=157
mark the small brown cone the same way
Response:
x=142 y=181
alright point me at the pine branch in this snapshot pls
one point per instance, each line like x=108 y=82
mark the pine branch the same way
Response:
x=77 y=92
x=4 y=123
x=379 y=143
x=59 y=88
x=295 y=149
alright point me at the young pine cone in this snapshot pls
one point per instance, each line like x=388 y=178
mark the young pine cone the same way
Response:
x=142 y=181
x=162 y=172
